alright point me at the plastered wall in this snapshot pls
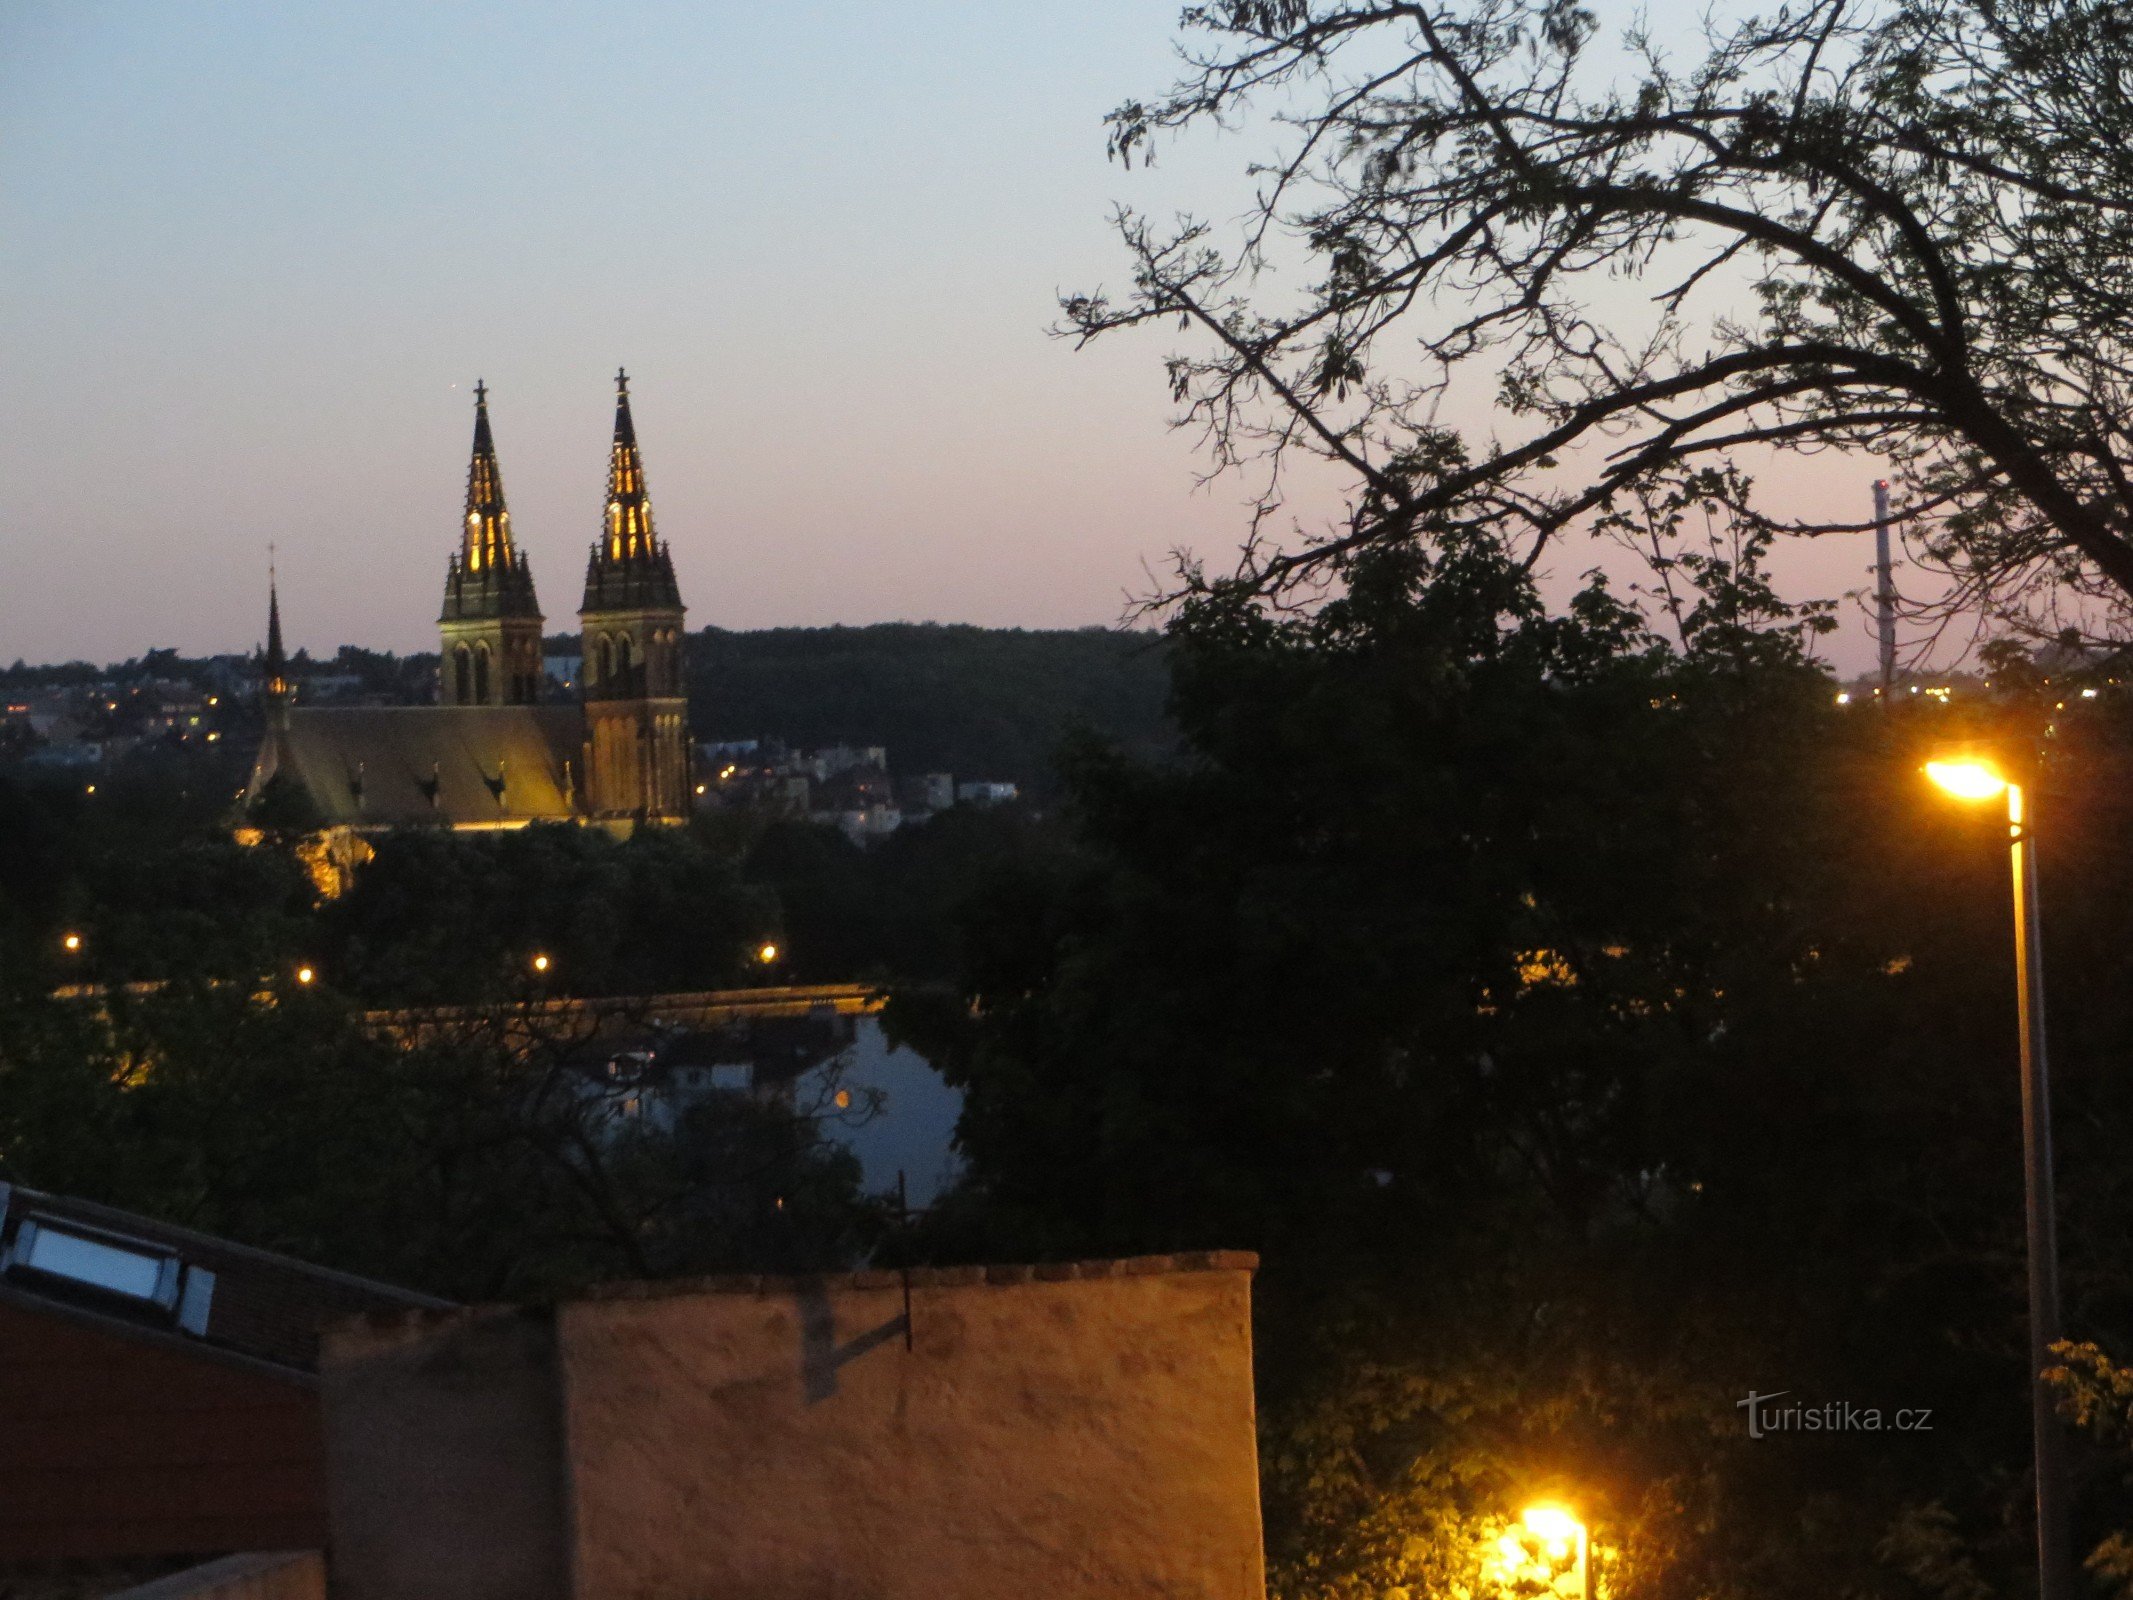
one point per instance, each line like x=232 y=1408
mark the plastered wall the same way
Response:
x=1081 y=1430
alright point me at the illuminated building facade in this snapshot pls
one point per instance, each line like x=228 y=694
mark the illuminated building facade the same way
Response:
x=491 y=753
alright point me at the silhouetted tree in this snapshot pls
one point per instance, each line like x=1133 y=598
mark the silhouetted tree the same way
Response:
x=1895 y=227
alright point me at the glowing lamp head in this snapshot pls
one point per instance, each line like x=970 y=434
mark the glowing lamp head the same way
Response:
x=766 y=953
x=1968 y=777
x=541 y=963
x=305 y=975
x=71 y=943
x=1553 y=1524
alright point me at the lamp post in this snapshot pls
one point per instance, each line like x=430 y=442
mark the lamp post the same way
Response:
x=1977 y=778
x=1557 y=1526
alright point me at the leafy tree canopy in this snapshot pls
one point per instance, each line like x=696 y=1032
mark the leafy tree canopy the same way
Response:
x=1588 y=1030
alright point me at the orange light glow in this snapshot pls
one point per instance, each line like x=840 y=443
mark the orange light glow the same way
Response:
x=540 y=963
x=1552 y=1523
x=1968 y=778
x=71 y=943
x=766 y=953
x=305 y=975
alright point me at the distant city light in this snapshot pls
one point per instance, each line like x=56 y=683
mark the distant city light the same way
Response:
x=766 y=953
x=2088 y=694
x=541 y=963
x=71 y=943
x=1843 y=699
x=305 y=975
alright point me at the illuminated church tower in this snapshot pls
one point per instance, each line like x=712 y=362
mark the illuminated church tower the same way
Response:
x=636 y=738
x=491 y=623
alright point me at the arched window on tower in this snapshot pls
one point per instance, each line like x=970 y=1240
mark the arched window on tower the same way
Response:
x=481 y=674
x=462 y=676
x=606 y=660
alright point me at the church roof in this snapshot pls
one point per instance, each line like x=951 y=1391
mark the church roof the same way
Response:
x=458 y=766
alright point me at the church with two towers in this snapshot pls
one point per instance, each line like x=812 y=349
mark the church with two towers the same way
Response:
x=495 y=752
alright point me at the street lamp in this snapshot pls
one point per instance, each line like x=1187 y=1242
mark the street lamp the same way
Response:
x=1556 y=1527
x=1975 y=777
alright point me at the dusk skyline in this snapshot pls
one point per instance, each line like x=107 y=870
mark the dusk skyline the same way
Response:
x=256 y=266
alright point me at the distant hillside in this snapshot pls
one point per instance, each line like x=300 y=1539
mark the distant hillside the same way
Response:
x=977 y=702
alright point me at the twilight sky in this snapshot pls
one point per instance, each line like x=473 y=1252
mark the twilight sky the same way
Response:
x=254 y=255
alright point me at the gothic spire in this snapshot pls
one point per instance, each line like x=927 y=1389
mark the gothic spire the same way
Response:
x=488 y=577
x=274 y=694
x=488 y=525
x=629 y=512
x=630 y=568
x=277 y=664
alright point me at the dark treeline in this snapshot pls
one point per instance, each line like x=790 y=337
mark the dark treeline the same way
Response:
x=976 y=702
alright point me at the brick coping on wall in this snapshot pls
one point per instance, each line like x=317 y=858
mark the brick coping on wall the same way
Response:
x=866 y=1278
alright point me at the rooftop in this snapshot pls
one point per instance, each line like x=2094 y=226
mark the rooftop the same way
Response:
x=171 y=1285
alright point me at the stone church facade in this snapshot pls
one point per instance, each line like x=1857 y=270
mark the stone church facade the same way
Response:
x=490 y=753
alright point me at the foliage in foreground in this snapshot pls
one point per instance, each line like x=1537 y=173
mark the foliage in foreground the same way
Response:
x=487 y=1160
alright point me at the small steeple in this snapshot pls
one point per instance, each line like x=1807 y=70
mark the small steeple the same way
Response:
x=274 y=691
x=277 y=663
x=487 y=543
